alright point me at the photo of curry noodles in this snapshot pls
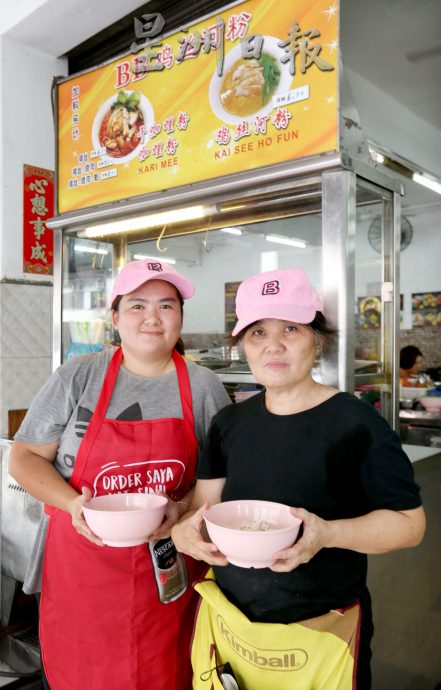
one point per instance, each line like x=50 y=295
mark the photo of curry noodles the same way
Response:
x=249 y=84
x=119 y=129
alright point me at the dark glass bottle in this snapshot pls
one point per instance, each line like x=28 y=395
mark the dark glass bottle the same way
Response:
x=169 y=568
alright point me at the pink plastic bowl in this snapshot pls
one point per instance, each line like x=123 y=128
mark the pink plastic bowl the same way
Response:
x=431 y=404
x=249 y=533
x=124 y=519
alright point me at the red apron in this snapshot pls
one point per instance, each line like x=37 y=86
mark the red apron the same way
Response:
x=102 y=626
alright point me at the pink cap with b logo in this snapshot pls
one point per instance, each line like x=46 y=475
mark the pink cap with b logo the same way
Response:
x=286 y=294
x=136 y=273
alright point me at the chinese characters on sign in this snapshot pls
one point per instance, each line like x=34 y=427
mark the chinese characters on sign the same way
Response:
x=298 y=42
x=75 y=112
x=254 y=85
x=38 y=206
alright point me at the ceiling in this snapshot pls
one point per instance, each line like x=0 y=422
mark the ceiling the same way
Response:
x=396 y=45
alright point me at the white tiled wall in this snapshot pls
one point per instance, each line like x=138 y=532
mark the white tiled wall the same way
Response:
x=25 y=344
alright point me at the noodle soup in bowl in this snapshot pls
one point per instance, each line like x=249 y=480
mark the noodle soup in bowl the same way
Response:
x=118 y=124
x=247 y=86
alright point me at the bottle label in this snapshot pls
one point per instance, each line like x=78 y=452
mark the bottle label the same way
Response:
x=169 y=569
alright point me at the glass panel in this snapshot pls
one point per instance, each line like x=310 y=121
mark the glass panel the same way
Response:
x=373 y=314
x=87 y=280
x=216 y=262
x=420 y=322
x=235 y=245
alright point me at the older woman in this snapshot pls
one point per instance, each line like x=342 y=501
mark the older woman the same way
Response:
x=98 y=417
x=306 y=621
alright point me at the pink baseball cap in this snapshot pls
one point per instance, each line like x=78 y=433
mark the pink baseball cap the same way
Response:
x=285 y=294
x=136 y=273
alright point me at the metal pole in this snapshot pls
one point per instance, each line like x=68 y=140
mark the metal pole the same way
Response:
x=338 y=270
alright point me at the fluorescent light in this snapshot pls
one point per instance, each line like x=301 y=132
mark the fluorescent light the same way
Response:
x=90 y=250
x=156 y=258
x=232 y=231
x=427 y=182
x=376 y=156
x=281 y=239
x=148 y=221
x=269 y=261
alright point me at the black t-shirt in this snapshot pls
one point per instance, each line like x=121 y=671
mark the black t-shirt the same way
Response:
x=338 y=460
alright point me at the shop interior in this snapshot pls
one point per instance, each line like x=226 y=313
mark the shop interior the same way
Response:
x=267 y=231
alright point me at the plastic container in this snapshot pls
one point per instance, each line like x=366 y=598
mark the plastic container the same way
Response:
x=431 y=403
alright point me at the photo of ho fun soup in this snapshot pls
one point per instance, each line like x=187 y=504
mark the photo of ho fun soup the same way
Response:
x=249 y=85
x=119 y=128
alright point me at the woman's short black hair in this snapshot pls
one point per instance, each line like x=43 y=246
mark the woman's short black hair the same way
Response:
x=408 y=356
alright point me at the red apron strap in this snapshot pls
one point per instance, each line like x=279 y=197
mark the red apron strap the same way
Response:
x=108 y=384
x=94 y=424
x=97 y=417
x=186 y=398
x=103 y=403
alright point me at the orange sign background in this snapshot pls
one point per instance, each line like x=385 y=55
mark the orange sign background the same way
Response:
x=188 y=135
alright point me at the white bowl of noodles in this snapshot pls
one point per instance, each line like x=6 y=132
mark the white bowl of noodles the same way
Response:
x=247 y=86
x=117 y=125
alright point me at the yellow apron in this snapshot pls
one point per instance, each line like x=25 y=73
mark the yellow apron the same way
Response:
x=315 y=654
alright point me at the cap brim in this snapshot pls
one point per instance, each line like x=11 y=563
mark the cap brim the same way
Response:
x=284 y=312
x=183 y=286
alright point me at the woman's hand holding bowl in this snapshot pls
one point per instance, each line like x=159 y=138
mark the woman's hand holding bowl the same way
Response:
x=314 y=537
x=188 y=538
x=78 y=521
x=171 y=518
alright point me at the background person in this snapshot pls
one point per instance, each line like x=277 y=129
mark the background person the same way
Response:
x=411 y=364
x=102 y=624
x=338 y=463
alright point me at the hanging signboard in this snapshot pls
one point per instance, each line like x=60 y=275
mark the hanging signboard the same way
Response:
x=255 y=85
x=38 y=206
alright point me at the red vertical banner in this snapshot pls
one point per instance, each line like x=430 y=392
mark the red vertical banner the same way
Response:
x=38 y=206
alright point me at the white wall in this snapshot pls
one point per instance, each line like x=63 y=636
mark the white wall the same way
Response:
x=17 y=11
x=56 y=26
x=27 y=136
x=387 y=122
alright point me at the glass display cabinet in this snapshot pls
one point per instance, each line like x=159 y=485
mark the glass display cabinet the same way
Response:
x=87 y=277
x=317 y=218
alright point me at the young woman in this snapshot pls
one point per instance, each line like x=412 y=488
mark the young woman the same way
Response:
x=305 y=622
x=131 y=417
